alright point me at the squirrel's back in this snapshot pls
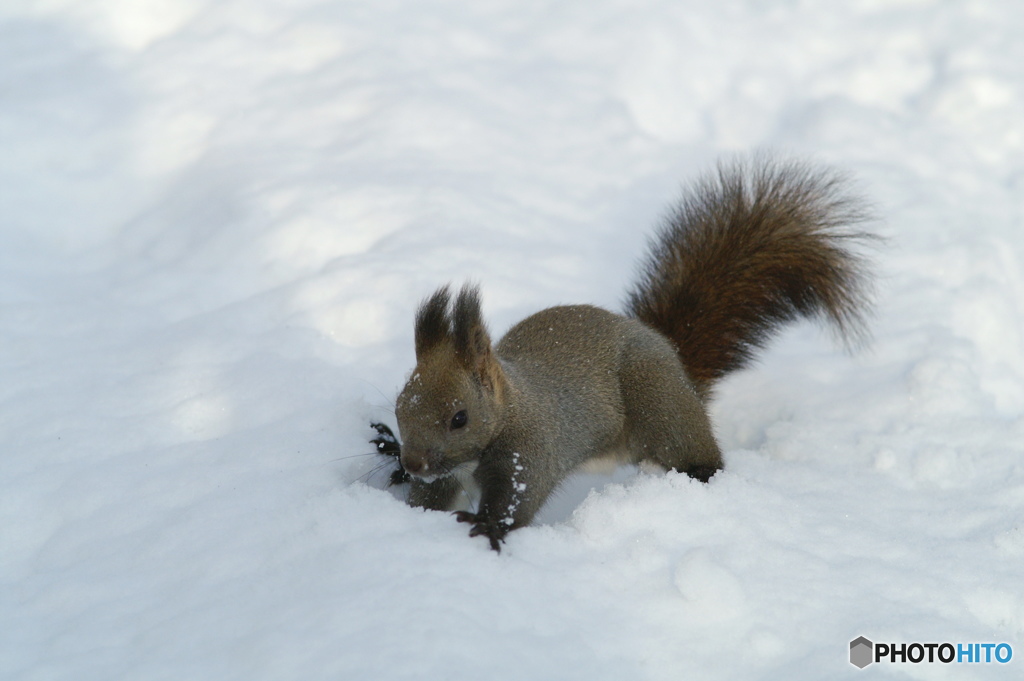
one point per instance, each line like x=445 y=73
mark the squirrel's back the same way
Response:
x=748 y=249
x=573 y=356
x=570 y=339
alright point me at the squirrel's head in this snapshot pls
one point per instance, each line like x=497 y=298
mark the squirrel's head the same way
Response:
x=451 y=407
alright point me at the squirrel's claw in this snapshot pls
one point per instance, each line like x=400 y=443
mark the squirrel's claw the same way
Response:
x=388 y=445
x=482 y=525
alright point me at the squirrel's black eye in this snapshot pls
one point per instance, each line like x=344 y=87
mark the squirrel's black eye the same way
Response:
x=460 y=419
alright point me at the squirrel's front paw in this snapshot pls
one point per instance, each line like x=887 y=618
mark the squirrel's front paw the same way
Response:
x=493 y=530
x=388 y=445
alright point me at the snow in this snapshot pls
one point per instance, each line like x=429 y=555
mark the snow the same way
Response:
x=217 y=219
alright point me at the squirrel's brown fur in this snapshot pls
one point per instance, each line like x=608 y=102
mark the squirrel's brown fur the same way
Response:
x=745 y=252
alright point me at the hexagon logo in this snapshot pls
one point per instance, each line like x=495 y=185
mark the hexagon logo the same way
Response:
x=861 y=652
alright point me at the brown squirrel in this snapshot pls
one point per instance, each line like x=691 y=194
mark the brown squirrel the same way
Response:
x=750 y=248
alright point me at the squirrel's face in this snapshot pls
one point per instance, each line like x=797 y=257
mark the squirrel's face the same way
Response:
x=446 y=414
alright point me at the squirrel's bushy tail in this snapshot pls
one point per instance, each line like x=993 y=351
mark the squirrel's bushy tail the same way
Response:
x=748 y=249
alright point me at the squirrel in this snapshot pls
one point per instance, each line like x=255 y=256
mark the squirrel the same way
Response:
x=749 y=248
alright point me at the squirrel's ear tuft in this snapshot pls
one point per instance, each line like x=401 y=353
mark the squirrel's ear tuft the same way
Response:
x=433 y=322
x=472 y=342
x=470 y=334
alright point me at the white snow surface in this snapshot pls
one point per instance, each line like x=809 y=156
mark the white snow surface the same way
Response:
x=217 y=220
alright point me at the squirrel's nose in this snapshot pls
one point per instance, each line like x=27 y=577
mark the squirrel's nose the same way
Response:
x=415 y=463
